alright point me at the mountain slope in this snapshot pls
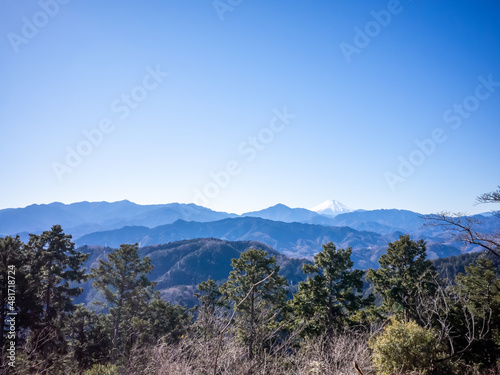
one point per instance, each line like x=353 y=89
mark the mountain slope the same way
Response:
x=280 y=212
x=180 y=266
x=382 y=221
x=292 y=239
x=394 y=222
x=87 y=217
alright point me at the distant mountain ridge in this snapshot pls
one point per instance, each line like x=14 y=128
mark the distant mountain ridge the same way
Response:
x=381 y=221
x=297 y=240
x=297 y=232
x=87 y=217
x=283 y=213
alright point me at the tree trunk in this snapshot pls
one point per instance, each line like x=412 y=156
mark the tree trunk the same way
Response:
x=252 y=317
x=329 y=329
x=116 y=327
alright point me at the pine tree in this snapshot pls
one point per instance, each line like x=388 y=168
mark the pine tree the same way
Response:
x=209 y=296
x=404 y=272
x=54 y=270
x=123 y=282
x=331 y=294
x=161 y=321
x=256 y=292
x=89 y=337
x=17 y=296
x=210 y=301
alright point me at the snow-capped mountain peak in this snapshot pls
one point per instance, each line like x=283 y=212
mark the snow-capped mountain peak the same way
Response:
x=331 y=208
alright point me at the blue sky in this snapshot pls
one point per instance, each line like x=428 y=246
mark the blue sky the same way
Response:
x=243 y=106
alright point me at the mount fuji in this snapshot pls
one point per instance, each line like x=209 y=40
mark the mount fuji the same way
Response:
x=331 y=208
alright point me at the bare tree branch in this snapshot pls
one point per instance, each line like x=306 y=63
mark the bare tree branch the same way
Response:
x=464 y=228
x=493 y=197
x=221 y=333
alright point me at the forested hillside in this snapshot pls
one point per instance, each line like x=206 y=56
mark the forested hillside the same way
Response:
x=180 y=266
x=256 y=311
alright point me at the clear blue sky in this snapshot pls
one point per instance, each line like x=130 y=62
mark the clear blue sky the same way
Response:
x=360 y=102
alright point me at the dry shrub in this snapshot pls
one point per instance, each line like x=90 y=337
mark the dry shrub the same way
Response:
x=469 y=370
x=334 y=356
x=193 y=356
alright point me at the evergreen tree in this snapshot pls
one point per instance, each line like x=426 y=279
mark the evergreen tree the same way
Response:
x=17 y=295
x=210 y=300
x=209 y=296
x=331 y=294
x=122 y=280
x=479 y=328
x=54 y=270
x=256 y=292
x=89 y=337
x=161 y=321
x=404 y=272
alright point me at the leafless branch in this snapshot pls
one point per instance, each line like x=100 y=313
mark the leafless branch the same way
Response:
x=464 y=229
x=221 y=333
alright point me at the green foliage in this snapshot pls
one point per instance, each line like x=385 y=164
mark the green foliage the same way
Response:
x=256 y=291
x=99 y=369
x=89 y=336
x=209 y=296
x=448 y=268
x=122 y=279
x=14 y=258
x=180 y=266
x=404 y=272
x=481 y=284
x=54 y=270
x=479 y=289
x=57 y=336
x=405 y=348
x=210 y=301
x=332 y=294
x=161 y=321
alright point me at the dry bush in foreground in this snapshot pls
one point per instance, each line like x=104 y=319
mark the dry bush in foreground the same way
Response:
x=193 y=356
x=334 y=357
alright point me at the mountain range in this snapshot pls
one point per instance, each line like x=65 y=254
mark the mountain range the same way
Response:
x=297 y=240
x=296 y=232
x=87 y=217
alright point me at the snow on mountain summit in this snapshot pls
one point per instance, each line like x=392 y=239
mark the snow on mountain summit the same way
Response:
x=331 y=208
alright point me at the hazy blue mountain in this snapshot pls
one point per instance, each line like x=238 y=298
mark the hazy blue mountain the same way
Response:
x=36 y=218
x=172 y=212
x=280 y=212
x=87 y=217
x=381 y=221
x=292 y=239
x=180 y=266
x=288 y=230
x=394 y=222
